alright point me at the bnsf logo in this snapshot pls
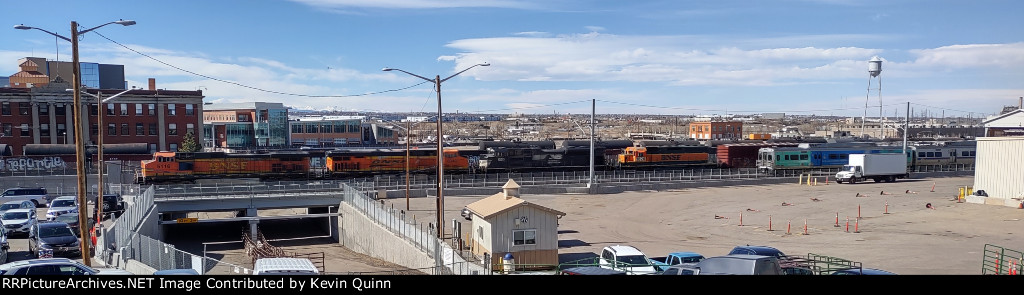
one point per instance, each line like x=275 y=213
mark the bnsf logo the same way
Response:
x=671 y=157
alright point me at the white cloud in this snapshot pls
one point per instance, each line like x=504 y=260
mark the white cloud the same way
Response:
x=972 y=55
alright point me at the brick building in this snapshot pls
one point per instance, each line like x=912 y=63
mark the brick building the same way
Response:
x=44 y=115
x=716 y=130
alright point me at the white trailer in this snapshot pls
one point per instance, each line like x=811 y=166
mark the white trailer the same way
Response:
x=877 y=167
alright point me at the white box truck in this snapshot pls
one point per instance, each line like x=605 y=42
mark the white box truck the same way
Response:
x=877 y=167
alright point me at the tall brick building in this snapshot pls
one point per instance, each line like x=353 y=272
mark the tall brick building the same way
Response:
x=44 y=115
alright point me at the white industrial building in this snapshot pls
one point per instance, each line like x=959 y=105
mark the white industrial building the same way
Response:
x=999 y=166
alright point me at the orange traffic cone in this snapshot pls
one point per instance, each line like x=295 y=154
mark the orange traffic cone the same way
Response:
x=933 y=186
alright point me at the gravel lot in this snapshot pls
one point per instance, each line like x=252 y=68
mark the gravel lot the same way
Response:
x=910 y=239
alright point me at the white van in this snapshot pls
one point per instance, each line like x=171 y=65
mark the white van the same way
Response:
x=284 y=266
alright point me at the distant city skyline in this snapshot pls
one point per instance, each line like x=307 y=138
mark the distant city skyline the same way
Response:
x=799 y=57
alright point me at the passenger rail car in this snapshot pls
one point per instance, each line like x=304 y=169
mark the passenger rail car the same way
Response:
x=788 y=158
x=943 y=155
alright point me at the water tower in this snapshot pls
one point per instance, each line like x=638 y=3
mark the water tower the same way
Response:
x=874 y=71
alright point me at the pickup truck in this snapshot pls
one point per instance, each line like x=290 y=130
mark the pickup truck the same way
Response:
x=674 y=258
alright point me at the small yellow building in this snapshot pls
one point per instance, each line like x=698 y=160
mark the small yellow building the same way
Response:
x=504 y=223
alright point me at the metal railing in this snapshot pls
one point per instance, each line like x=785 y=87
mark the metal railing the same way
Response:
x=163 y=256
x=447 y=260
x=132 y=243
x=997 y=260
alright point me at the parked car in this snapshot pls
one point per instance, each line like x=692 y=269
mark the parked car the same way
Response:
x=466 y=213
x=72 y=221
x=284 y=266
x=626 y=258
x=55 y=266
x=24 y=204
x=175 y=272
x=862 y=271
x=56 y=237
x=739 y=264
x=19 y=221
x=662 y=263
x=758 y=250
x=4 y=245
x=62 y=205
x=682 y=269
x=38 y=195
x=113 y=205
x=591 y=270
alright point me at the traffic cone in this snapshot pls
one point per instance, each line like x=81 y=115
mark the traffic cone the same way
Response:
x=933 y=186
x=769 y=223
x=805 y=226
x=789 y=226
x=837 y=219
x=856 y=226
x=886 y=207
x=741 y=218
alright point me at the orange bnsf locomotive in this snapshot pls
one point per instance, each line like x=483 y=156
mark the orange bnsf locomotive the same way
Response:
x=184 y=167
x=347 y=163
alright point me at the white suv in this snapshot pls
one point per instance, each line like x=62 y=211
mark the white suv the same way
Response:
x=628 y=259
x=19 y=220
x=60 y=206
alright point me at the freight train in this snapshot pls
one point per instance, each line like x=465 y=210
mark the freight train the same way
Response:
x=509 y=156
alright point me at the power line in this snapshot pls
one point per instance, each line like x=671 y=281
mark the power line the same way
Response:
x=251 y=87
x=532 y=107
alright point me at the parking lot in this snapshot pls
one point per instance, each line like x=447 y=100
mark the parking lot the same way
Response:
x=896 y=232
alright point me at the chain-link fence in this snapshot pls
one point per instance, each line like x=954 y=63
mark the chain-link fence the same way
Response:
x=130 y=240
x=163 y=256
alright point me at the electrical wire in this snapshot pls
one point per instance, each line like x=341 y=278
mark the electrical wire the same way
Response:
x=251 y=87
x=533 y=107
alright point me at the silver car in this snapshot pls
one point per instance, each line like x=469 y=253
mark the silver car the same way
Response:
x=55 y=266
x=60 y=206
x=25 y=204
x=19 y=220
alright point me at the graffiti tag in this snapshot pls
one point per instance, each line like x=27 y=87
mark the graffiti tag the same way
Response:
x=30 y=164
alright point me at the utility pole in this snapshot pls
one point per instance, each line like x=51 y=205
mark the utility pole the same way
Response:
x=407 y=132
x=590 y=179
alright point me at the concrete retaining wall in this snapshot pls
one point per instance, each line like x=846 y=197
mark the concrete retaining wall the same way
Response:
x=138 y=268
x=358 y=233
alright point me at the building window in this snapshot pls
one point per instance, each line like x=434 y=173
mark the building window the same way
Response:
x=152 y=109
x=124 y=129
x=243 y=118
x=139 y=129
x=94 y=129
x=170 y=109
x=24 y=108
x=44 y=109
x=138 y=109
x=60 y=110
x=152 y=128
x=110 y=109
x=44 y=129
x=61 y=130
x=297 y=128
x=124 y=109
x=111 y=129
x=5 y=108
x=172 y=129
x=190 y=110
x=8 y=127
x=93 y=109
x=152 y=148
x=524 y=237
x=190 y=129
x=25 y=131
x=174 y=147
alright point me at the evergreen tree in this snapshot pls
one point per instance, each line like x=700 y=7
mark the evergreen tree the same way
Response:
x=188 y=145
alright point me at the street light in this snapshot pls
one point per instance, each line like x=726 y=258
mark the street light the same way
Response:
x=440 y=142
x=99 y=150
x=79 y=139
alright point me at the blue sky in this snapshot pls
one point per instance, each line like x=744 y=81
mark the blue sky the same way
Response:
x=634 y=57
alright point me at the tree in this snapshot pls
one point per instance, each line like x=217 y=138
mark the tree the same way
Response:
x=188 y=145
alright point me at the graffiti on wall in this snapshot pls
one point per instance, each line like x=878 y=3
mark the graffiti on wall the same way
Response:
x=32 y=164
